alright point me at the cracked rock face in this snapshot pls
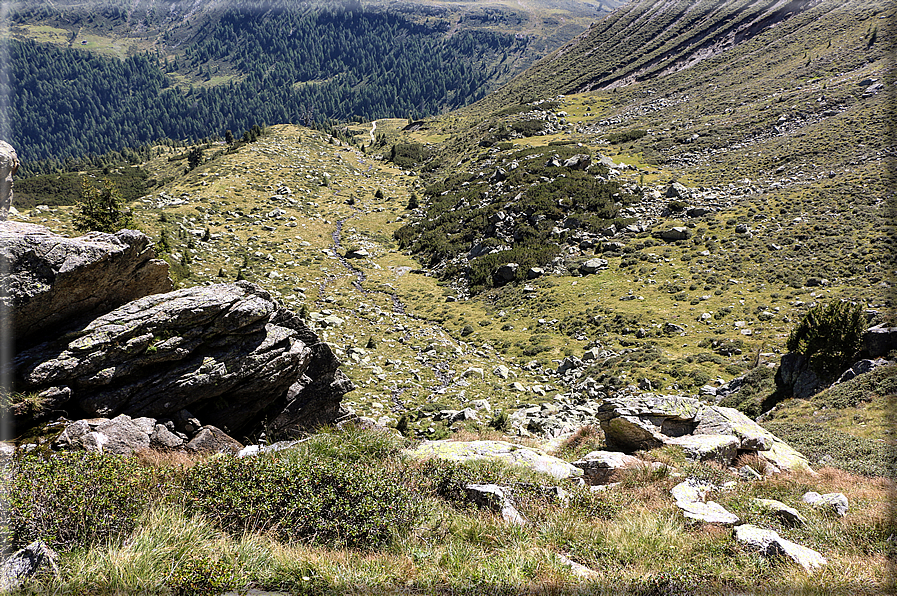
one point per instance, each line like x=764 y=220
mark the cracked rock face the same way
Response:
x=54 y=281
x=227 y=352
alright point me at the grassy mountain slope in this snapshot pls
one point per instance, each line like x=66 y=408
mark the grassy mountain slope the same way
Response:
x=787 y=202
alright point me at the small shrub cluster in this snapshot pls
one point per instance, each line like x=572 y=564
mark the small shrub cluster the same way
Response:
x=321 y=500
x=75 y=499
x=829 y=335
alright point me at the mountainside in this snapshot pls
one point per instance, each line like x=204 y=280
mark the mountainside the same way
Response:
x=90 y=77
x=619 y=258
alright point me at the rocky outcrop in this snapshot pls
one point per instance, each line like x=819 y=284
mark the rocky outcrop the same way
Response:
x=99 y=335
x=227 y=352
x=795 y=377
x=704 y=431
x=9 y=164
x=55 y=282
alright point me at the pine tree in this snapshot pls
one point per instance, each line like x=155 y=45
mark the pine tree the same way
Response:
x=101 y=209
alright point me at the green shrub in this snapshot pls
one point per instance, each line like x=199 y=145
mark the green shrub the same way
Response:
x=74 y=500
x=825 y=446
x=755 y=392
x=626 y=136
x=829 y=335
x=320 y=500
x=881 y=382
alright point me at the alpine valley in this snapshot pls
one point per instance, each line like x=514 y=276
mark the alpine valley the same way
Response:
x=451 y=297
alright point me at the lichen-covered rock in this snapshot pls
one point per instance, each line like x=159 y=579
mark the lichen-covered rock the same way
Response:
x=54 y=281
x=648 y=421
x=533 y=459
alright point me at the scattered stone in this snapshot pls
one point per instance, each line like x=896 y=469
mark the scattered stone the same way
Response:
x=690 y=498
x=506 y=273
x=593 y=266
x=502 y=372
x=211 y=439
x=787 y=514
x=492 y=496
x=769 y=544
x=580 y=571
x=830 y=502
x=676 y=233
x=358 y=253
x=25 y=563
x=473 y=372
x=677 y=190
x=862 y=367
x=123 y=437
x=533 y=459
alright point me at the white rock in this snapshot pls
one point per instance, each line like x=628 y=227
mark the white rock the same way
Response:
x=769 y=544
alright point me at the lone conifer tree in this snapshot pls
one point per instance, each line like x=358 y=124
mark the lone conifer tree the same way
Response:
x=101 y=209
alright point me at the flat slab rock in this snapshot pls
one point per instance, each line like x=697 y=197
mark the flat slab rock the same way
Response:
x=769 y=544
x=519 y=455
x=55 y=281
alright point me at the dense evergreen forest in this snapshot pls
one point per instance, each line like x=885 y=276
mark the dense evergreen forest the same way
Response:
x=286 y=67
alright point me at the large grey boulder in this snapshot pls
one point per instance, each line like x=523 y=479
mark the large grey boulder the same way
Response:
x=9 y=164
x=647 y=421
x=54 y=282
x=769 y=544
x=25 y=563
x=227 y=351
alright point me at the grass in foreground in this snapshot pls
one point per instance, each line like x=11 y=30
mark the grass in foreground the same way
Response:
x=347 y=512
